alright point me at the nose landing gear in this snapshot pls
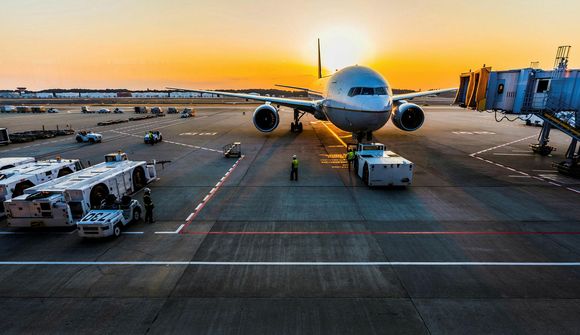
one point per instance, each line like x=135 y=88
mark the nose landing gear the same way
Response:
x=296 y=126
x=363 y=136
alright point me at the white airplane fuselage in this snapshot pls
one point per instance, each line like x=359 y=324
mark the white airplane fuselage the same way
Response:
x=355 y=111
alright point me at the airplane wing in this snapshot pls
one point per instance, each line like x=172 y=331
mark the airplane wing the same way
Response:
x=421 y=94
x=309 y=106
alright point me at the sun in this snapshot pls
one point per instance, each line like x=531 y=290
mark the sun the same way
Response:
x=343 y=46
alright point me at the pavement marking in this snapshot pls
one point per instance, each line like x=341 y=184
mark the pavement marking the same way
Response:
x=176 y=231
x=384 y=233
x=511 y=154
x=133 y=232
x=542 y=178
x=335 y=135
x=518 y=176
x=501 y=145
x=171 y=142
x=208 y=197
x=320 y=264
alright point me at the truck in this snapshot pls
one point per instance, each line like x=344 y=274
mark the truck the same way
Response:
x=105 y=222
x=10 y=162
x=379 y=167
x=4 y=137
x=64 y=201
x=14 y=181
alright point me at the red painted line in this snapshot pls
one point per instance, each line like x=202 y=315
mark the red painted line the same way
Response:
x=385 y=233
x=207 y=198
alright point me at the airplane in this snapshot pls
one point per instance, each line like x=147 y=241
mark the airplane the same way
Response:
x=355 y=99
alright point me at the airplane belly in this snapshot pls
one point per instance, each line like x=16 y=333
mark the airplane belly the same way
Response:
x=356 y=121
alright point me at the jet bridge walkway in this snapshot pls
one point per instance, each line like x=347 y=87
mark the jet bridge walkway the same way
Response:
x=552 y=95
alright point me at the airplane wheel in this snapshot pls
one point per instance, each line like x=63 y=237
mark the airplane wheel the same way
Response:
x=300 y=127
x=355 y=166
x=292 y=127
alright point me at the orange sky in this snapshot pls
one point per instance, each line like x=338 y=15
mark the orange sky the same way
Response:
x=141 y=44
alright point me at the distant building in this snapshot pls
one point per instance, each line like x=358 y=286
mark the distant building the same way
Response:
x=184 y=95
x=150 y=94
x=96 y=95
x=67 y=95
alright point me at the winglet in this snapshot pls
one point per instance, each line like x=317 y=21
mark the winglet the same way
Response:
x=319 y=62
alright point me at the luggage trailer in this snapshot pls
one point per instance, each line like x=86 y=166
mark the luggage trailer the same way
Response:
x=64 y=201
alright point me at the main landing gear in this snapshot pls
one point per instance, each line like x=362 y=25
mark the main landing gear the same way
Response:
x=296 y=126
x=363 y=136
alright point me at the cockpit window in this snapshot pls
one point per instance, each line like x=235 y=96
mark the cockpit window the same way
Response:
x=367 y=91
x=380 y=91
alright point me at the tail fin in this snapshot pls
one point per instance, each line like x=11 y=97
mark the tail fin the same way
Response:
x=319 y=62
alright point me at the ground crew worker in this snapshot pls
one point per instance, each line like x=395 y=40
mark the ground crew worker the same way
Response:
x=350 y=157
x=151 y=139
x=148 y=206
x=294 y=170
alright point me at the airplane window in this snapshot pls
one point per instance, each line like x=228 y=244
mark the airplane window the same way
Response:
x=354 y=91
x=367 y=91
x=380 y=91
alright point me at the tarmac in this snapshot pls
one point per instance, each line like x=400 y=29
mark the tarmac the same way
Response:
x=486 y=240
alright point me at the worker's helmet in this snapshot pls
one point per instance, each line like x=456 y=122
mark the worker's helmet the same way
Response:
x=293 y=156
x=147 y=190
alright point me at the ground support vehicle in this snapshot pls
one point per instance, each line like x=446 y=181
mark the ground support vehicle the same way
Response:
x=187 y=112
x=100 y=223
x=14 y=181
x=379 y=167
x=88 y=136
x=153 y=137
x=64 y=201
x=10 y=162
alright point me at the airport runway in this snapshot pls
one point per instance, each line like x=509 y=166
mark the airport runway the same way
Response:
x=486 y=240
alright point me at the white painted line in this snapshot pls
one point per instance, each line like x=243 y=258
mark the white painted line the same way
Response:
x=573 y=190
x=555 y=184
x=518 y=176
x=318 y=264
x=218 y=184
x=197 y=207
x=212 y=190
x=190 y=215
x=508 y=154
x=133 y=232
x=205 y=198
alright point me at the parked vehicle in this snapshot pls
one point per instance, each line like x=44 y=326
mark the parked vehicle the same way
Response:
x=88 y=136
x=187 y=112
x=118 y=111
x=104 y=111
x=64 y=201
x=172 y=110
x=53 y=110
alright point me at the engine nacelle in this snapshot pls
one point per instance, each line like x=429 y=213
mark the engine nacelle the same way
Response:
x=266 y=118
x=408 y=116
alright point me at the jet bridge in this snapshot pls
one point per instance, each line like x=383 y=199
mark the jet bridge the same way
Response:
x=552 y=95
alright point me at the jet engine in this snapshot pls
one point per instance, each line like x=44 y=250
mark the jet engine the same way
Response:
x=266 y=118
x=408 y=116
